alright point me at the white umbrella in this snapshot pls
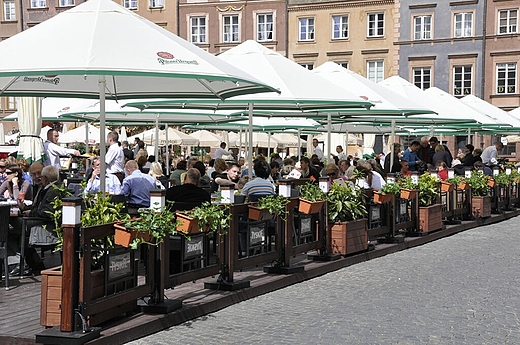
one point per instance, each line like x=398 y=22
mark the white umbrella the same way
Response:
x=79 y=57
x=30 y=146
x=122 y=135
x=487 y=109
x=65 y=128
x=206 y=138
x=259 y=140
x=79 y=135
x=175 y=137
x=53 y=107
x=288 y=140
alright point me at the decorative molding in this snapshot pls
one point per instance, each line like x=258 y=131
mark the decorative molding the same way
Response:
x=463 y=3
x=505 y=53
x=374 y=51
x=421 y=58
x=462 y=56
x=305 y=55
x=340 y=4
x=340 y=53
x=230 y=8
x=422 y=6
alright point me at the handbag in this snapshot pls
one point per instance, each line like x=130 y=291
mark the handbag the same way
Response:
x=40 y=236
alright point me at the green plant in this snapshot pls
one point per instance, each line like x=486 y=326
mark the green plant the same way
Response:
x=274 y=204
x=158 y=222
x=428 y=190
x=212 y=217
x=359 y=174
x=408 y=183
x=390 y=188
x=478 y=182
x=502 y=179
x=55 y=216
x=312 y=192
x=101 y=210
x=345 y=203
x=456 y=180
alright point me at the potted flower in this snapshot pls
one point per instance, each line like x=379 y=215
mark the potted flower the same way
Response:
x=347 y=230
x=268 y=207
x=430 y=212
x=409 y=189
x=311 y=198
x=386 y=193
x=456 y=181
x=480 y=198
x=207 y=217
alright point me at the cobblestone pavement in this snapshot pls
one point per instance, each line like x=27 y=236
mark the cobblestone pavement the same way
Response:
x=463 y=289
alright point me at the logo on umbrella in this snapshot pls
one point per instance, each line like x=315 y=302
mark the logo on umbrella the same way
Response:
x=165 y=58
x=46 y=79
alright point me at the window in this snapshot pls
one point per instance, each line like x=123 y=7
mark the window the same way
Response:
x=506 y=78
x=306 y=29
x=343 y=64
x=66 y=3
x=422 y=77
x=11 y=103
x=309 y=66
x=461 y=80
x=9 y=11
x=507 y=21
x=198 y=30
x=463 y=25
x=422 y=27
x=131 y=4
x=264 y=27
x=376 y=24
x=38 y=3
x=375 y=71
x=230 y=29
x=339 y=27
x=156 y=3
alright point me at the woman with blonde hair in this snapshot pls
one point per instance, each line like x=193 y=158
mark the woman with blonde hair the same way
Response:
x=156 y=172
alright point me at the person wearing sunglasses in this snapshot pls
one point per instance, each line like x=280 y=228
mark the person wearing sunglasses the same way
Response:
x=15 y=187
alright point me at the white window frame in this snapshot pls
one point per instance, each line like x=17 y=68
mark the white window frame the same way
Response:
x=9 y=11
x=504 y=80
x=376 y=70
x=376 y=24
x=306 y=29
x=422 y=27
x=340 y=27
x=463 y=24
x=66 y=3
x=130 y=4
x=420 y=72
x=460 y=86
x=231 y=28
x=508 y=24
x=265 y=27
x=38 y=4
x=11 y=103
x=156 y=3
x=198 y=30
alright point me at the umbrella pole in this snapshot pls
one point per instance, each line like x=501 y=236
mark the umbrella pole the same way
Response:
x=469 y=136
x=102 y=143
x=156 y=150
x=329 y=140
x=392 y=145
x=268 y=145
x=299 y=143
x=250 y=144
x=87 y=165
x=167 y=154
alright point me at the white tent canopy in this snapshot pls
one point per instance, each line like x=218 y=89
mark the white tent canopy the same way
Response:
x=288 y=140
x=175 y=137
x=79 y=135
x=487 y=109
x=206 y=138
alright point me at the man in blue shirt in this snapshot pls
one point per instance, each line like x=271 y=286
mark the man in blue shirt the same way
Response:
x=112 y=184
x=137 y=186
x=410 y=155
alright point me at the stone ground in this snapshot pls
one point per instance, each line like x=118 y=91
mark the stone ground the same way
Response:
x=463 y=289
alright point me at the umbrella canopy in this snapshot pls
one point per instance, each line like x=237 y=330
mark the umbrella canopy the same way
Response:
x=259 y=140
x=53 y=108
x=122 y=134
x=175 y=137
x=206 y=138
x=487 y=109
x=288 y=140
x=79 y=135
x=385 y=100
x=30 y=146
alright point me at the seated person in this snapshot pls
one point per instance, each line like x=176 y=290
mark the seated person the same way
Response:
x=478 y=165
x=15 y=184
x=205 y=180
x=442 y=170
x=161 y=181
x=189 y=192
x=308 y=170
x=405 y=166
x=180 y=168
x=112 y=184
x=137 y=186
x=260 y=185
x=229 y=177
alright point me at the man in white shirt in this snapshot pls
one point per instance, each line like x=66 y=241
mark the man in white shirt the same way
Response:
x=317 y=150
x=112 y=183
x=53 y=151
x=221 y=151
x=340 y=154
x=115 y=158
x=490 y=153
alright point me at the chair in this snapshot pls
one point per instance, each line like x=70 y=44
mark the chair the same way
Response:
x=4 y=234
x=27 y=224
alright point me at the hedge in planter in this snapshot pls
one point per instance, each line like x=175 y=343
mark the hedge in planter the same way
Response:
x=430 y=213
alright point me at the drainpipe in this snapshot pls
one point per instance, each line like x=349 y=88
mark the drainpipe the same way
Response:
x=286 y=29
x=484 y=32
x=178 y=19
x=21 y=15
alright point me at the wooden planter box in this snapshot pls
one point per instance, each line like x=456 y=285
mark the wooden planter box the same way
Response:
x=409 y=194
x=481 y=206
x=380 y=198
x=124 y=237
x=447 y=187
x=430 y=218
x=491 y=182
x=187 y=224
x=310 y=207
x=256 y=213
x=349 y=237
x=463 y=185
x=50 y=309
